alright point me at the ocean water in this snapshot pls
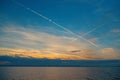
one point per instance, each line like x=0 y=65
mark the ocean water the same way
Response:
x=59 y=73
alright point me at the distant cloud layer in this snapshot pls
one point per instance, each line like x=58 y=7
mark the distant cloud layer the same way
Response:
x=23 y=61
x=24 y=42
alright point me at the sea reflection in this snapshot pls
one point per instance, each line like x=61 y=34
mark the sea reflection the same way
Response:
x=59 y=73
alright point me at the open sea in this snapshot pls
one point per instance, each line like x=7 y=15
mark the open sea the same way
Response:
x=59 y=73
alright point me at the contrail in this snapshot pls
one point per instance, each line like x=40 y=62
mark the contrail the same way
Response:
x=46 y=18
x=92 y=30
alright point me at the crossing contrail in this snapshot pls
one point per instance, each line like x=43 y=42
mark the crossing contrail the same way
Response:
x=60 y=26
x=92 y=30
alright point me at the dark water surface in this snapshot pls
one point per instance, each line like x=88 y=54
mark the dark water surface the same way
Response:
x=59 y=73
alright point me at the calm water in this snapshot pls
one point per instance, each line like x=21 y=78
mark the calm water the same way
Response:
x=59 y=73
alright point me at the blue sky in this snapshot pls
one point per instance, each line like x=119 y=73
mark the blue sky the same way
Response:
x=96 y=21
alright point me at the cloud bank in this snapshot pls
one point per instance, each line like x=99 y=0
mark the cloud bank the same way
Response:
x=28 y=42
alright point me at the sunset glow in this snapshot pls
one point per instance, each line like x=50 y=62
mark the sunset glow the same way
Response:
x=47 y=31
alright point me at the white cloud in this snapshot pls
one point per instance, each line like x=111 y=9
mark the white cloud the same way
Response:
x=110 y=53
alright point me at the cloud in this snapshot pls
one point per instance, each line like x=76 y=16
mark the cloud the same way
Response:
x=24 y=42
x=116 y=31
x=110 y=53
x=4 y=62
x=76 y=51
x=93 y=39
x=21 y=61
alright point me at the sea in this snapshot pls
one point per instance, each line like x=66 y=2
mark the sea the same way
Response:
x=59 y=73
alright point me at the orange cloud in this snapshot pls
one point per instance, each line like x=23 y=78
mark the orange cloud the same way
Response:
x=83 y=54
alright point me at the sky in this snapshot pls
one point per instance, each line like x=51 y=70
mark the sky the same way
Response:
x=60 y=29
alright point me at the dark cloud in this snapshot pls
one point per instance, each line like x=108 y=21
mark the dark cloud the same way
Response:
x=21 y=61
x=4 y=62
x=74 y=51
